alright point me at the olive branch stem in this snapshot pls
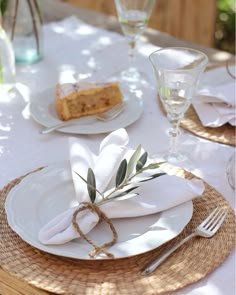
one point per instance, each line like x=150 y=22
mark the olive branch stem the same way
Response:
x=125 y=175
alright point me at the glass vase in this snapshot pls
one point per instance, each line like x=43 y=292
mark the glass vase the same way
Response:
x=7 y=62
x=23 y=23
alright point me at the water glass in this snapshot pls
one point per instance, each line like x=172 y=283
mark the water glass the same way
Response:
x=133 y=16
x=178 y=71
x=230 y=171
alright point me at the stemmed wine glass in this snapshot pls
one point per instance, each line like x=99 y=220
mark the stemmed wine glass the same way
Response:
x=178 y=71
x=230 y=171
x=133 y=16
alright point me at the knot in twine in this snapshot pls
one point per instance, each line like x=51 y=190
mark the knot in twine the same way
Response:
x=102 y=216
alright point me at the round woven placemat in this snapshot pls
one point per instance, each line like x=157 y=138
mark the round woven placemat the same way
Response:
x=196 y=259
x=223 y=134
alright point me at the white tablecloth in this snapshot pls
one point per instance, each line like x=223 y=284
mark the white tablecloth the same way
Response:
x=72 y=48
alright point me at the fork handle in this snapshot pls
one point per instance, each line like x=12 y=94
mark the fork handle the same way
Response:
x=153 y=264
x=55 y=127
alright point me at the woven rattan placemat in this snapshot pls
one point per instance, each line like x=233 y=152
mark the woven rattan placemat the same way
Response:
x=196 y=259
x=224 y=134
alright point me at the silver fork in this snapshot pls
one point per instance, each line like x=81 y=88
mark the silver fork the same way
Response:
x=206 y=229
x=105 y=116
x=112 y=113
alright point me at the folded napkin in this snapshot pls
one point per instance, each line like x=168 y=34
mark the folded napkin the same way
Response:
x=154 y=196
x=215 y=106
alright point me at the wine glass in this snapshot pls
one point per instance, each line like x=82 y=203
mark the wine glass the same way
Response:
x=178 y=71
x=133 y=16
x=230 y=171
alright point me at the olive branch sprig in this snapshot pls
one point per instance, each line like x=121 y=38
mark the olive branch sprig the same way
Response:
x=124 y=181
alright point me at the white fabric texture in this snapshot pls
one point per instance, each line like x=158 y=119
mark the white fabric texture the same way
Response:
x=154 y=196
x=219 y=107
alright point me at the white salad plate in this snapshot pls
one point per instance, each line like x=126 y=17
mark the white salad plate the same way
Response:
x=43 y=111
x=44 y=194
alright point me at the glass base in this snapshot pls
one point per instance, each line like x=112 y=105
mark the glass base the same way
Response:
x=27 y=57
x=132 y=75
x=179 y=159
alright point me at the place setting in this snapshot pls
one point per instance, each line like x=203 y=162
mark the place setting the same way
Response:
x=119 y=213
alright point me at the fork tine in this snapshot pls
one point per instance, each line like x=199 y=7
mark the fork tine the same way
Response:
x=219 y=220
x=208 y=219
x=113 y=112
x=214 y=218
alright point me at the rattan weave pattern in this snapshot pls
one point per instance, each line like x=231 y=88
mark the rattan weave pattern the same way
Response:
x=224 y=134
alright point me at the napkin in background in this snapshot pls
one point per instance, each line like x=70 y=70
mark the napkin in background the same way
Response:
x=154 y=196
x=215 y=106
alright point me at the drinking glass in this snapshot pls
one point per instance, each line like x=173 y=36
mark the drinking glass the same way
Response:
x=230 y=171
x=133 y=16
x=178 y=71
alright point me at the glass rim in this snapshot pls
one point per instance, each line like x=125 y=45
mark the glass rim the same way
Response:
x=205 y=61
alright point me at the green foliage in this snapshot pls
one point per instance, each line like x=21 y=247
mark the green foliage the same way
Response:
x=225 y=25
x=125 y=178
x=91 y=185
x=3 y=6
x=121 y=173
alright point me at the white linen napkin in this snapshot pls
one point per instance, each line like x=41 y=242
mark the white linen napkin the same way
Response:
x=154 y=196
x=216 y=105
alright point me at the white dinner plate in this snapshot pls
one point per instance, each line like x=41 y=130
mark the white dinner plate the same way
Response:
x=42 y=109
x=42 y=195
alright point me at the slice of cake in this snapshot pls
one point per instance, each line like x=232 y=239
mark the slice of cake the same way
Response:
x=82 y=99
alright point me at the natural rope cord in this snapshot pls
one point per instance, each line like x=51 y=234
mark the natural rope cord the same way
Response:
x=102 y=216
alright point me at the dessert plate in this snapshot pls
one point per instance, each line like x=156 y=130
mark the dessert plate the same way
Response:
x=42 y=195
x=42 y=109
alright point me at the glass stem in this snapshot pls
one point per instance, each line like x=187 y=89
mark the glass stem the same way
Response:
x=131 y=53
x=174 y=132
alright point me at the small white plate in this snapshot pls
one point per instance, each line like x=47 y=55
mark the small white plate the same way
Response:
x=42 y=195
x=42 y=109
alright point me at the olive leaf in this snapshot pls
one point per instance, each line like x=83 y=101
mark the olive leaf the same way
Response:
x=153 y=165
x=126 y=190
x=133 y=160
x=151 y=177
x=91 y=185
x=121 y=173
x=141 y=161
